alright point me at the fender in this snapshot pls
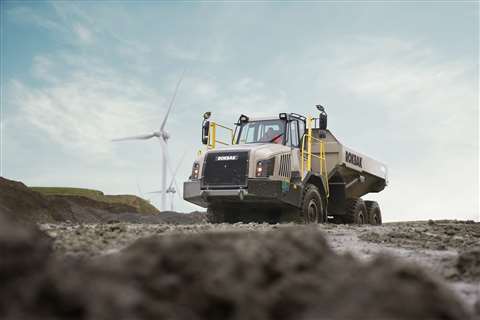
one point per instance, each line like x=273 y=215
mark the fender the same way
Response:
x=316 y=180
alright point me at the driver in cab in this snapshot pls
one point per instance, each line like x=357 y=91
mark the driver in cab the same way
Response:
x=272 y=135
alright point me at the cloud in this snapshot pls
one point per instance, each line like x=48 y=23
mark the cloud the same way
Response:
x=68 y=22
x=424 y=112
x=173 y=51
x=42 y=69
x=27 y=15
x=252 y=97
x=83 y=111
x=83 y=33
x=423 y=95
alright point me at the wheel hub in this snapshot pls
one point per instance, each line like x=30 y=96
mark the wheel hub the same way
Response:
x=312 y=211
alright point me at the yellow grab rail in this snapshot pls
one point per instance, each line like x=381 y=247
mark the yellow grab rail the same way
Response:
x=212 y=135
x=306 y=155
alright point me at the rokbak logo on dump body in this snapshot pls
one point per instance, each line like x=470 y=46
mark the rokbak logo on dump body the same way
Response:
x=226 y=158
x=353 y=159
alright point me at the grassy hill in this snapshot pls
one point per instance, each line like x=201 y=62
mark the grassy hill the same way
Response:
x=142 y=205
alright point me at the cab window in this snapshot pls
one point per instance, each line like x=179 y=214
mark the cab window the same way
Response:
x=293 y=139
x=264 y=131
x=301 y=131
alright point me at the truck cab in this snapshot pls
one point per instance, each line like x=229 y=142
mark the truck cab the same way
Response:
x=260 y=170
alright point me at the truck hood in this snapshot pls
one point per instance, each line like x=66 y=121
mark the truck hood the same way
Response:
x=257 y=150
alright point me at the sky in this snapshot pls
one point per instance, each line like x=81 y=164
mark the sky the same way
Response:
x=400 y=82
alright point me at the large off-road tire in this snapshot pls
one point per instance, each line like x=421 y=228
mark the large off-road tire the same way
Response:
x=373 y=212
x=312 y=210
x=355 y=211
x=215 y=215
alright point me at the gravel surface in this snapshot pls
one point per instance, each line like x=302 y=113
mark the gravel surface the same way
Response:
x=448 y=250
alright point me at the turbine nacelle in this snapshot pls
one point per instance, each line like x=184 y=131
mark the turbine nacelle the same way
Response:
x=164 y=135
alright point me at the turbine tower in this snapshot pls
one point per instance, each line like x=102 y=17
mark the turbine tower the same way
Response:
x=173 y=186
x=163 y=137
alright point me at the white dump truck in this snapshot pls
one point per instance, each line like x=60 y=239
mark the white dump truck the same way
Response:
x=285 y=166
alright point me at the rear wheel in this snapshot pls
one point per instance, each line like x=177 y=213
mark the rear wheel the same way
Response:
x=312 y=205
x=373 y=212
x=355 y=211
x=215 y=215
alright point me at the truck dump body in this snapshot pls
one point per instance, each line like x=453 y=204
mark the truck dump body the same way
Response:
x=358 y=173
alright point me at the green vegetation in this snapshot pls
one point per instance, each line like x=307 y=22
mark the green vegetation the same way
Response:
x=142 y=205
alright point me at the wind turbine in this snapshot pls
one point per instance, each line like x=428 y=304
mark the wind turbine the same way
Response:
x=173 y=186
x=170 y=190
x=163 y=137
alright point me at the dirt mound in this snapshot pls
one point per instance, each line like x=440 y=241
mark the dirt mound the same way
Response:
x=140 y=205
x=468 y=263
x=287 y=274
x=24 y=204
x=17 y=201
x=23 y=247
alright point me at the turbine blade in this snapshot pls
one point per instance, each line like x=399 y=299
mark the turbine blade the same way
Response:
x=162 y=126
x=177 y=168
x=139 y=137
x=158 y=191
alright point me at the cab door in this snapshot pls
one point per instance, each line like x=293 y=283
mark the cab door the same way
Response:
x=295 y=132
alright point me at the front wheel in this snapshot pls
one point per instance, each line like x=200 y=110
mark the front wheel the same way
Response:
x=312 y=206
x=215 y=215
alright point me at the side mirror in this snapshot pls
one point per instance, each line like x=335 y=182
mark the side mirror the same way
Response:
x=322 y=118
x=205 y=131
x=323 y=121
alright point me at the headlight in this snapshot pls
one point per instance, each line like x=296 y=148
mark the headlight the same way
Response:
x=264 y=168
x=195 y=169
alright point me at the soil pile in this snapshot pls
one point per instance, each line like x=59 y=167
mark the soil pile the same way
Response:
x=24 y=204
x=141 y=205
x=288 y=274
x=468 y=263
x=19 y=202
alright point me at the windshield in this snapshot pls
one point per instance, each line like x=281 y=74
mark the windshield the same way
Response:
x=263 y=131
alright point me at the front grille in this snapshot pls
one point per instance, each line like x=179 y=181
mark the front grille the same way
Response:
x=225 y=170
x=284 y=169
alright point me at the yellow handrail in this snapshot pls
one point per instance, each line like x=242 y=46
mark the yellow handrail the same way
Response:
x=212 y=135
x=308 y=137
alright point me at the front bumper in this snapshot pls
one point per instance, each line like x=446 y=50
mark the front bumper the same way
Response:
x=258 y=191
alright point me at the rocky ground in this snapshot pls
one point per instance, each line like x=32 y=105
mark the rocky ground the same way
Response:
x=447 y=250
x=75 y=258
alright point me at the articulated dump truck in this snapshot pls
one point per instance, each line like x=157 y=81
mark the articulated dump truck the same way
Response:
x=283 y=167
